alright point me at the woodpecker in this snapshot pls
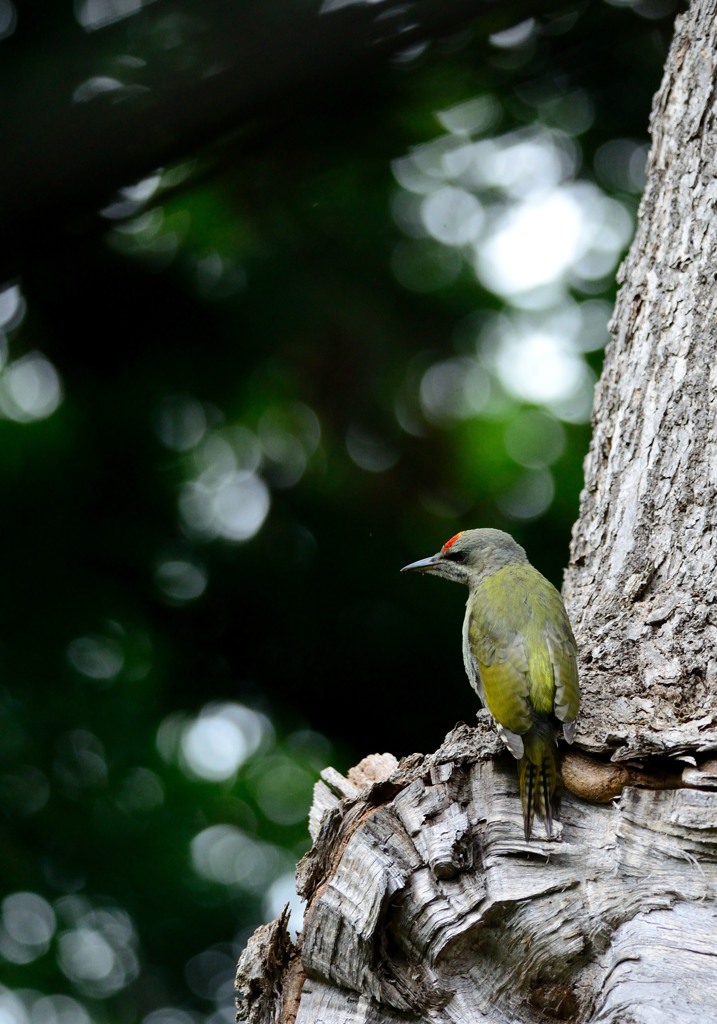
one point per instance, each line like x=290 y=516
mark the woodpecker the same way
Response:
x=519 y=654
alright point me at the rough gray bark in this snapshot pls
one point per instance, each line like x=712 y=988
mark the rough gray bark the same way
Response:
x=423 y=902
x=640 y=587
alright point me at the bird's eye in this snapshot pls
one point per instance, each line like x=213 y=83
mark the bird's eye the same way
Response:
x=455 y=556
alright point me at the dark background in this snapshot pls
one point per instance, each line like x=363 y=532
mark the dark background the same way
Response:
x=238 y=393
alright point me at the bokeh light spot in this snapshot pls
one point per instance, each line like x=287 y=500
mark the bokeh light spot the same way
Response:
x=95 y=14
x=222 y=452
x=98 y=954
x=8 y=18
x=58 y=1009
x=30 y=389
x=140 y=792
x=454 y=389
x=289 y=434
x=240 y=505
x=85 y=955
x=232 y=507
x=218 y=277
x=534 y=439
x=531 y=244
x=180 y=581
x=227 y=499
x=216 y=744
x=25 y=789
x=96 y=657
x=452 y=215
x=516 y=35
x=539 y=367
x=209 y=971
x=472 y=116
x=12 y=307
x=283 y=790
x=226 y=854
x=142 y=190
x=98 y=85
x=173 y=1015
x=27 y=924
x=12 y=1008
x=180 y=422
x=214 y=747
x=522 y=165
x=529 y=497
x=80 y=764
x=370 y=452
x=620 y=164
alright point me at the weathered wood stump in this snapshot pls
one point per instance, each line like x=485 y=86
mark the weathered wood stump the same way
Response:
x=425 y=903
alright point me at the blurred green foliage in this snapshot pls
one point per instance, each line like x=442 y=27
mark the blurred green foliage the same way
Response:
x=282 y=371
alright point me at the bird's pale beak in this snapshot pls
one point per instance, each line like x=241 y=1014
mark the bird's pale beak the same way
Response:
x=422 y=565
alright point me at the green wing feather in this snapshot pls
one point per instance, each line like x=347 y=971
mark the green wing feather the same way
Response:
x=503 y=668
x=523 y=646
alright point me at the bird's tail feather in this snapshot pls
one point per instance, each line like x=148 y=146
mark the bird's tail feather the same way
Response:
x=538 y=778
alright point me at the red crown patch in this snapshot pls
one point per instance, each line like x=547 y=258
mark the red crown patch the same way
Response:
x=451 y=542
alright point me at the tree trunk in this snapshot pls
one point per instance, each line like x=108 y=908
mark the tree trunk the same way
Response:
x=423 y=902
x=640 y=588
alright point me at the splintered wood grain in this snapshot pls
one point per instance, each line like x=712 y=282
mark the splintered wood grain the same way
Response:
x=269 y=976
x=434 y=909
x=660 y=968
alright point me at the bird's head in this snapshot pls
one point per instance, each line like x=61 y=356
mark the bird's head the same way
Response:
x=471 y=556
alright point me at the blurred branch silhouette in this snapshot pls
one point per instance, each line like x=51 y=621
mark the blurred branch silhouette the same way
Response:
x=119 y=98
